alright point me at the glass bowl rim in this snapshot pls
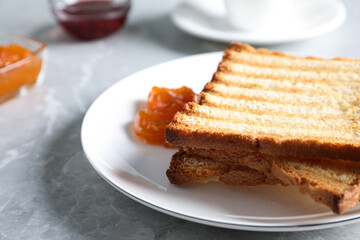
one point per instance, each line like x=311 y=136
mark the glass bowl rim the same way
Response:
x=61 y=15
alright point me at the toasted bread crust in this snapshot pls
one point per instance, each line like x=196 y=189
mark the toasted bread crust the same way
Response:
x=298 y=148
x=338 y=187
x=254 y=160
x=178 y=173
x=240 y=47
x=184 y=169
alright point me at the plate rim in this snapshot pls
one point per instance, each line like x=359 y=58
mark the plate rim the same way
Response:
x=287 y=228
x=293 y=228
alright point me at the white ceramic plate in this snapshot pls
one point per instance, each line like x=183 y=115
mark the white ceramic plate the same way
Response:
x=138 y=169
x=206 y=19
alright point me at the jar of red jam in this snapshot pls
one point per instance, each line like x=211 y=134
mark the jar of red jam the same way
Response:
x=90 y=19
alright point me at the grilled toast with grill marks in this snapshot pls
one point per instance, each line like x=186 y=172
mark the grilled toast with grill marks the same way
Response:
x=292 y=120
x=268 y=102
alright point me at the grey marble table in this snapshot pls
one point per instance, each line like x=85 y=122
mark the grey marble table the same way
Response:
x=48 y=190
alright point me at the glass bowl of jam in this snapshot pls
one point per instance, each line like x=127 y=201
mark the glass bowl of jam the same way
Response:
x=21 y=64
x=90 y=19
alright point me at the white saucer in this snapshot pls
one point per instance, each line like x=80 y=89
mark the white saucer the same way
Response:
x=314 y=18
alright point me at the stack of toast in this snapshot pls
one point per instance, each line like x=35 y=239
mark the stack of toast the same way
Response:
x=270 y=118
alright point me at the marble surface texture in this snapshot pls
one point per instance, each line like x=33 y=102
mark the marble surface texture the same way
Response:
x=48 y=190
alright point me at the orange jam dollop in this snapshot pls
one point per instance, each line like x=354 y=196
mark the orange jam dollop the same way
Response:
x=15 y=74
x=162 y=104
x=12 y=53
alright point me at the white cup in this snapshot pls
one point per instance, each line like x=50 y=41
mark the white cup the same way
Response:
x=259 y=15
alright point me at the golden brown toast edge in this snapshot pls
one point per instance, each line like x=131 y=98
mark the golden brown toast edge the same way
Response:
x=181 y=173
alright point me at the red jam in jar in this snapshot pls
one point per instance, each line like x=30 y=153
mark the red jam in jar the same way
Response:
x=91 y=19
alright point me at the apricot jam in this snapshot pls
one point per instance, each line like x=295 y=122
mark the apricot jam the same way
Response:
x=162 y=104
x=15 y=73
x=12 y=53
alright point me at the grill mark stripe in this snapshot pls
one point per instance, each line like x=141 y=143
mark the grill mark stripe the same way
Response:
x=225 y=127
x=275 y=108
x=290 y=86
x=291 y=62
x=264 y=119
x=337 y=77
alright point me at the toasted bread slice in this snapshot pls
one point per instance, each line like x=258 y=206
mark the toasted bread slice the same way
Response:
x=336 y=186
x=272 y=103
x=187 y=168
x=254 y=160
